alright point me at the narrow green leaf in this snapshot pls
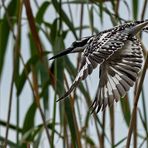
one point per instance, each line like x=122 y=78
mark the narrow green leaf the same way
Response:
x=5 y=30
x=53 y=32
x=41 y=12
x=89 y=140
x=11 y=126
x=44 y=77
x=101 y=12
x=63 y=16
x=58 y=73
x=27 y=69
x=28 y=125
x=118 y=143
x=91 y=17
x=29 y=135
x=37 y=141
x=135 y=8
x=60 y=65
x=68 y=111
x=125 y=106
x=10 y=143
x=127 y=6
x=29 y=118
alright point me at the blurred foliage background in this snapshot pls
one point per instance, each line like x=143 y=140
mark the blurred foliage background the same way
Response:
x=30 y=33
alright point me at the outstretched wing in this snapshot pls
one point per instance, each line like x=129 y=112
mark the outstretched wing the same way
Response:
x=99 y=50
x=118 y=74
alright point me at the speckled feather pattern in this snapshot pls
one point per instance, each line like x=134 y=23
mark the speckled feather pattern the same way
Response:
x=119 y=54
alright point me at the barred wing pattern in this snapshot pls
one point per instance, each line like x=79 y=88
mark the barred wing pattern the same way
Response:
x=119 y=54
x=118 y=74
x=107 y=44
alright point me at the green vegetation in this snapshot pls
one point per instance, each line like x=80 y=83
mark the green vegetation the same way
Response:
x=66 y=121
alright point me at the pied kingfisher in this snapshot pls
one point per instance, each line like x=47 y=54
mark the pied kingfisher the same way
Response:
x=119 y=54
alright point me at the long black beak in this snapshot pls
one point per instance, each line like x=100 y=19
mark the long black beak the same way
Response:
x=62 y=53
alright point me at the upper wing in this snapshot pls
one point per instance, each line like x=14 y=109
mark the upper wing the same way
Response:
x=118 y=74
x=99 y=50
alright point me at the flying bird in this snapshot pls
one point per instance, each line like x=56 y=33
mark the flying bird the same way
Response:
x=118 y=53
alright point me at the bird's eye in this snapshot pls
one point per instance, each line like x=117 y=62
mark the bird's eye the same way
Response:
x=80 y=43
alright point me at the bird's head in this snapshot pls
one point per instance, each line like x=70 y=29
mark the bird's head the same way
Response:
x=76 y=46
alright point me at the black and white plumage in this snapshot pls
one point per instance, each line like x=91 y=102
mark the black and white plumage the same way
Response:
x=119 y=54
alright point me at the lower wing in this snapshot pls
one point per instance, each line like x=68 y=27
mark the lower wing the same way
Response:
x=118 y=74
